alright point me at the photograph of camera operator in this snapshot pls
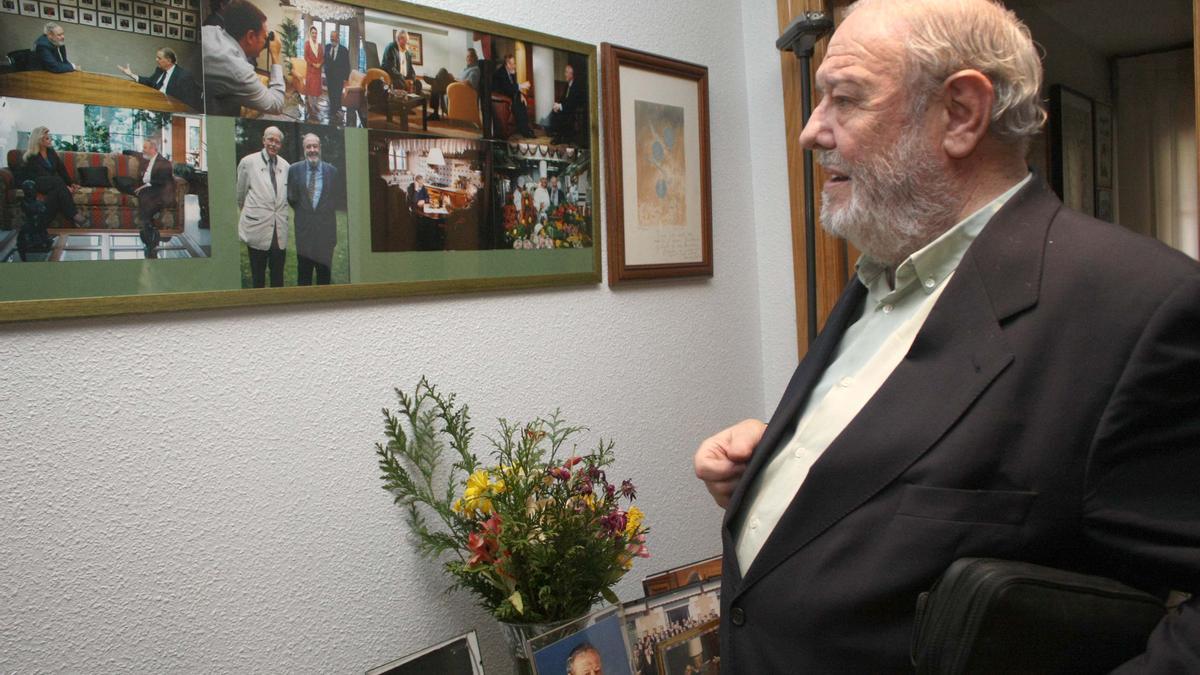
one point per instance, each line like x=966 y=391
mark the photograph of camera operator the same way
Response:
x=73 y=53
x=99 y=183
x=429 y=194
x=291 y=194
x=542 y=195
x=536 y=94
x=278 y=60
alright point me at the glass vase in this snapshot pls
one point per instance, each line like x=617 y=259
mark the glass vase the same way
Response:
x=518 y=634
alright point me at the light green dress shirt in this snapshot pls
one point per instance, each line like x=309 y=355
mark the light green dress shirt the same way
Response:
x=870 y=350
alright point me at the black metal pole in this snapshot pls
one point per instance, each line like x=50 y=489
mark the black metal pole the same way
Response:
x=800 y=38
x=810 y=207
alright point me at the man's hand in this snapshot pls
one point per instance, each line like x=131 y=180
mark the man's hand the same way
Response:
x=125 y=69
x=275 y=48
x=721 y=459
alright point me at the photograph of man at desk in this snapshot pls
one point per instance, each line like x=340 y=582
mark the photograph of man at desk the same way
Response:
x=428 y=195
x=122 y=64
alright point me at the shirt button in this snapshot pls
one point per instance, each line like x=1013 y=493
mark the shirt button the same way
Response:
x=799 y=452
x=846 y=382
x=738 y=616
x=929 y=282
x=887 y=309
x=754 y=523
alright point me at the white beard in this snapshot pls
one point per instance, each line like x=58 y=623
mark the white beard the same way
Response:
x=900 y=200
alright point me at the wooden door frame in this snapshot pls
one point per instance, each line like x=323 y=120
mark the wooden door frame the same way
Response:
x=833 y=256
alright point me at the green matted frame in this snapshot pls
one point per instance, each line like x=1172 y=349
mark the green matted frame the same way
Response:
x=33 y=291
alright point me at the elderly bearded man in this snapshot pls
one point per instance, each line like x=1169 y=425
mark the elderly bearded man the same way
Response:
x=1005 y=377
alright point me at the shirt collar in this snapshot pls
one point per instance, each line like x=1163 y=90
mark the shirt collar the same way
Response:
x=930 y=266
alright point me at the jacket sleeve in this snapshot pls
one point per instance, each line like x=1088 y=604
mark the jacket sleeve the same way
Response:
x=243 y=182
x=1141 y=507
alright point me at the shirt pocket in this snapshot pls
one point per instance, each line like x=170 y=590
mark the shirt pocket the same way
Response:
x=996 y=507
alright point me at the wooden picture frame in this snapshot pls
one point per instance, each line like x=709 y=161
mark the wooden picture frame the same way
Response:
x=1072 y=149
x=657 y=168
x=1103 y=129
x=679 y=577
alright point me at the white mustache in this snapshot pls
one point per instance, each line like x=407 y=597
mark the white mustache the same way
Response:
x=831 y=160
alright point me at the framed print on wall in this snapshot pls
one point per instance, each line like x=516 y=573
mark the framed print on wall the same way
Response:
x=657 y=146
x=1072 y=149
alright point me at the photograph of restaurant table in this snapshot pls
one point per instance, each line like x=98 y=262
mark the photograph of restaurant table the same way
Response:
x=88 y=88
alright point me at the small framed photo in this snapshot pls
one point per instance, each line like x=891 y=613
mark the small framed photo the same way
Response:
x=173 y=16
x=175 y=32
x=125 y=23
x=87 y=4
x=10 y=7
x=188 y=34
x=141 y=26
x=653 y=624
x=30 y=8
x=158 y=29
x=678 y=577
x=179 y=4
x=69 y=3
x=104 y=5
x=189 y=19
x=457 y=656
x=659 y=183
x=87 y=17
x=193 y=5
x=593 y=644
x=47 y=10
x=106 y=20
x=125 y=7
x=69 y=14
x=158 y=13
x=141 y=9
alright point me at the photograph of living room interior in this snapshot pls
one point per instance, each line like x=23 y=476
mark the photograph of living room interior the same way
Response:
x=100 y=147
x=441 y=101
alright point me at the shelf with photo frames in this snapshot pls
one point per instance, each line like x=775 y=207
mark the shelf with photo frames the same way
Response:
x=514 y=179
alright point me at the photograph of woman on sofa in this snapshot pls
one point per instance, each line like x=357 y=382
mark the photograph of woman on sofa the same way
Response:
x=92 y=168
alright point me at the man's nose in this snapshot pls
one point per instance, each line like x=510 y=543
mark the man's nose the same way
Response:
x=816 y=134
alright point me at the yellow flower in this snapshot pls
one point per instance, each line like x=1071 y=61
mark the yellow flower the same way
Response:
x=633 y=521
x=476 y=496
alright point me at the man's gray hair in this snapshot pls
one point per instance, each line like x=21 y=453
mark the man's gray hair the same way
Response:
x=273 y=131
x=50 y=28
x=308 y=136
x=946 y=36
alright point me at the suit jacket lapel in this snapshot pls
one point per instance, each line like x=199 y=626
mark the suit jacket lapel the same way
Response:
x=794 y=396
x=958 y=352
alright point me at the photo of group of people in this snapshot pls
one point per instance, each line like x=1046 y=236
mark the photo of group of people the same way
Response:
x=676 y=633
x=475 y=141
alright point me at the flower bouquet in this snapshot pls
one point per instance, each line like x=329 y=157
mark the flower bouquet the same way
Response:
x=539 y=535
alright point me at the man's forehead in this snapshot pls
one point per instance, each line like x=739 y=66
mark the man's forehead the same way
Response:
x=867 y=47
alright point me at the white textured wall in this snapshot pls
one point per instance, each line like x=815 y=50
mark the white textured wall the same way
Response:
x=197 y=492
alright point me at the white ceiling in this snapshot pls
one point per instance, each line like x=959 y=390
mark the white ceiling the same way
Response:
x=1119 y=27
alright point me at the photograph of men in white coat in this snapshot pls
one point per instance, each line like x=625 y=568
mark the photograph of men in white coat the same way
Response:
x=262 y=198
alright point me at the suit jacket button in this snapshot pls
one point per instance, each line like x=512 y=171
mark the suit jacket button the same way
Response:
x=737 y=616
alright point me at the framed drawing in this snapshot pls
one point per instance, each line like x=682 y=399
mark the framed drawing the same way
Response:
x=495 y=192
x=658 y=171
x=457 y=656
x=1072 y=149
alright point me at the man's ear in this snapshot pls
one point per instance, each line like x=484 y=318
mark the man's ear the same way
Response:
x=968 y=96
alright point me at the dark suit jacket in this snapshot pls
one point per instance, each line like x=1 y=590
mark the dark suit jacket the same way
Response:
x=336 y=70
x=51 y=58
x=162 y=185
x=1046 y=412
x=181 y=85
x=316 y=228
x=503 y=83
x=391 y=64
x=40 y=173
